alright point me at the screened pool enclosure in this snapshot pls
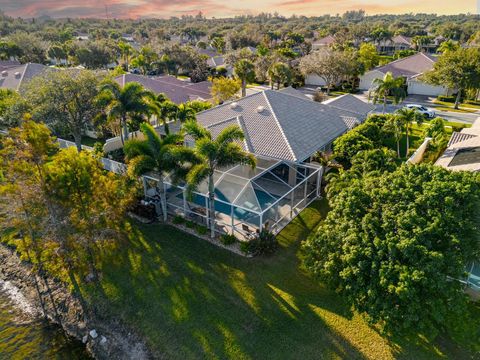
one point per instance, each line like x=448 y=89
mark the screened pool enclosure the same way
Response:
x=247 y=200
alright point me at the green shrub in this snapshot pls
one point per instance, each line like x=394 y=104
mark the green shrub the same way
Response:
x=449 y=99
x=178 y=220
x=265 y=244
x=228 y=239
x=190 y=224
x=201 y=230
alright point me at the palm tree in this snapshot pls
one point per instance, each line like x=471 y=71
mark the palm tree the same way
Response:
x=163 y=156
x=395 y=125
x=448 y=45
x=407 y=117
x=327 y=160
x=245 y=71
x=213 y=154
x=126 y=50
x=279 y=73
x=185 y=113
x=389 y=85
x=157 y=106
x=122 y=103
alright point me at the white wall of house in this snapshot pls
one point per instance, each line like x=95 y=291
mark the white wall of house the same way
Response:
x=416 y=87
x=366 y=80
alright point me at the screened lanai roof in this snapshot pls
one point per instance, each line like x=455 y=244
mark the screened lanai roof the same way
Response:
x=259 y=188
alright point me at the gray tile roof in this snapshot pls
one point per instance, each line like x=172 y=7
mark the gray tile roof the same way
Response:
x=280 y=125
x=14 y=77
x=7 y=64
x=410 y=66
x=351 y=103
x=176 y=90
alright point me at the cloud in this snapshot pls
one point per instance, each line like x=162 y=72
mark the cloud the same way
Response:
x=221 y=8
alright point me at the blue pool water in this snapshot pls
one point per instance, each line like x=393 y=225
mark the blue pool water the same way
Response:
x=264 y=199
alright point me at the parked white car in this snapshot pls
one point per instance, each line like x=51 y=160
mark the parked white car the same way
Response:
x=429 y=113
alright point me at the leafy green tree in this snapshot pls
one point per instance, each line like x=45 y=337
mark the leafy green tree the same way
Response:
x=458 y=69
x=407 y=117
x=66 y=100
x=224 y=89
x=394 y=243
x=29 y=47
x=349 y=144
x=163 y=156
x=279 y=73
x=218 y=43
x=245 y=71
x=94 y=54
x=141 y=62
x=213 y=154
x=368 y=55
x=389 y=85
x=124 y=103
x=9 y=50
x=199 y=105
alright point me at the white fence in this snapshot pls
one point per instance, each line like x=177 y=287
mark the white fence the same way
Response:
x=417 y=156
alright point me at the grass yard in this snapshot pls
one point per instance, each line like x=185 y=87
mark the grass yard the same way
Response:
x=464 y=108
x=192 y=300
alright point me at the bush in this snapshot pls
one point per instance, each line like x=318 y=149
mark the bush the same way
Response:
x=228 y=239
x=443 y=98
x=472 y=102
x=265 y=244
x=190 y=224
x=177 y=220
x=201 y=230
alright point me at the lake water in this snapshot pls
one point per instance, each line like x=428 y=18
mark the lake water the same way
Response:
x=24 y=338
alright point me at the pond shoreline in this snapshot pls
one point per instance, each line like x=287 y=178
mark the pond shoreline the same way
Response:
x=103 y=337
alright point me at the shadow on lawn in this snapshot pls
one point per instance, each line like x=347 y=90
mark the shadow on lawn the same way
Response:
x=192 y=300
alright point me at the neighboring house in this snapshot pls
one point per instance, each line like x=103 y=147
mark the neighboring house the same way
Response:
x=178 y=91
x=81 y=36
x=351 y=103
x=128 y=37
x=7 y=64
x=463 y=150
x=15 y=77
x=397 y=43
x=284 y=124
x=411 y=68
x=323 y=42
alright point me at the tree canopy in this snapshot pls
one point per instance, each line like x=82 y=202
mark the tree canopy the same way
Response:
x=395 y=243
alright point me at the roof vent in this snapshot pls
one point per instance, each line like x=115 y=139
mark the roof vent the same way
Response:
x=233 y=105
x=4 y=73
x=17 y=74
x=260 y=109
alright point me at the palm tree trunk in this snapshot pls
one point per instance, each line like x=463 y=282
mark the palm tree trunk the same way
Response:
x=457 y=100
x=244 y=87
x=163 y=198
x=398 y=148
x=211 y=204
x=78 y=140
x=124 y=128
x=408 y=142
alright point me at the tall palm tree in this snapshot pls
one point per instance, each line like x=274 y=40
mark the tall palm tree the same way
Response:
x=245 y=71
x=213 y=154
x=185 y=113
x=389 y=85
x=448 y=45
x=407 y=117
x=122 y=103
x=395 y=125
x=126 y=51
x=163 y=156
x=156 y=103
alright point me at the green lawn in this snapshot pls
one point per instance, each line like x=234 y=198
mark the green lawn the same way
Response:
x=193 y=300
x=447 y=106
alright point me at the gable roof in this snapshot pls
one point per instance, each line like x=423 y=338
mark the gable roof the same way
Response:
x=176 y=90
x=14 y=77
x=327 y=40
x=7 y=64
x=402 y=39
x=410 y=66
x=351 y=103
x=280 y=125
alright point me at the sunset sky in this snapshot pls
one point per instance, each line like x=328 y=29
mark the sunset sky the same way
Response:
x=222 y=8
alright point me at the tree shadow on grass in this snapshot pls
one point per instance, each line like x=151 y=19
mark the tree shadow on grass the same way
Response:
x=191 y=299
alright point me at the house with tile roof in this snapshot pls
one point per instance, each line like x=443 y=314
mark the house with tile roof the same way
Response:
x=327 y=41
x=411 y=68
x=286 y=124
x=179 y=91
x=14 y=77
x=397 y=43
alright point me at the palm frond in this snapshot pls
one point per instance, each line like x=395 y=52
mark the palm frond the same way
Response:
x=141 y=164
x=135 y=147
x=197 y=174
x=151 y=136
x=196 y=130
x=230 y=134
